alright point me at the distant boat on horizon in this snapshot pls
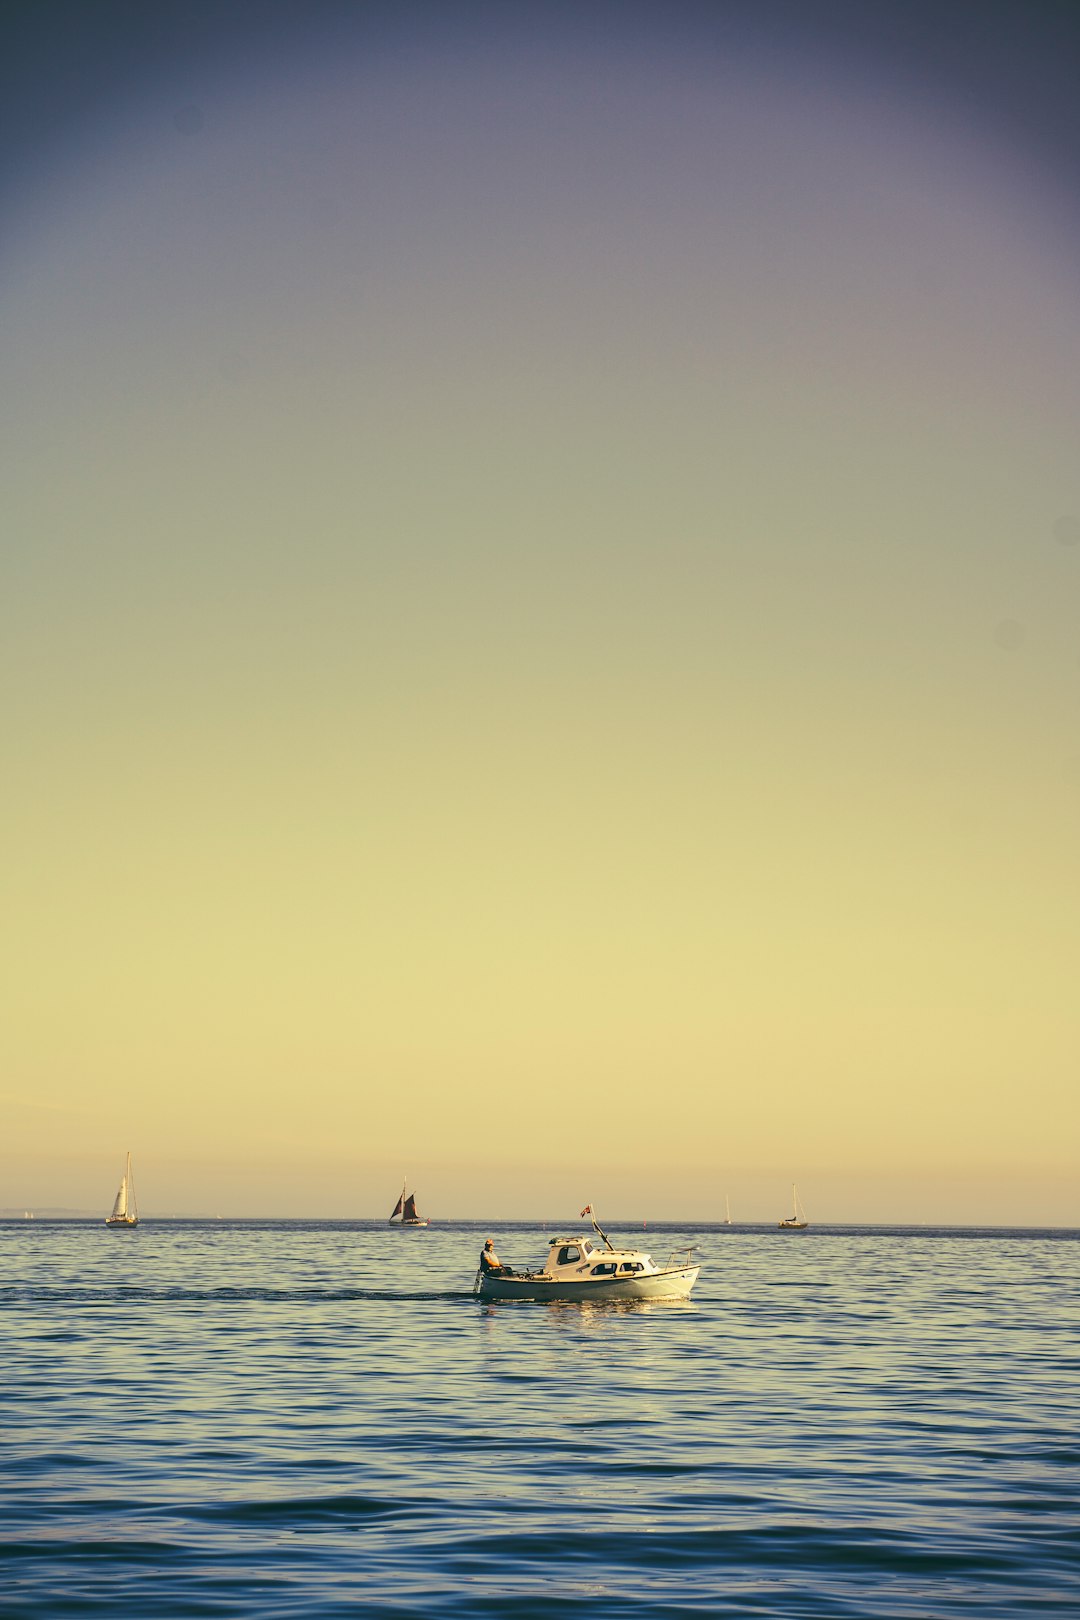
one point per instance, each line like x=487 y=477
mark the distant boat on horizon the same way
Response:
x=406 y=1208
x=125 y=1211
x=796 y=1221
x=727 y=1207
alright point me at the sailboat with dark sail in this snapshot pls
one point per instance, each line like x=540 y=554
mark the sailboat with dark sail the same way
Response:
x=125 y=1211
x=406 y=1208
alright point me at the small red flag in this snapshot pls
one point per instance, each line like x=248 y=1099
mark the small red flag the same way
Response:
x=587 y=1210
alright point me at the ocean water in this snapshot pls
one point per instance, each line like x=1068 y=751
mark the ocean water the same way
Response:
x=268 y=1419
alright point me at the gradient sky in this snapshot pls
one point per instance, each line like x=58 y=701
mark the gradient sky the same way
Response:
x=540 y=616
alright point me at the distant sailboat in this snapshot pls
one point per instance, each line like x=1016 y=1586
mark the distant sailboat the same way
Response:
x=406 y=1208
x=125 y=1211
x=796 y=1221
x=727 y=1207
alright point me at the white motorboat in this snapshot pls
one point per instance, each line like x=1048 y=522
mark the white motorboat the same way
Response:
x=576 y=1268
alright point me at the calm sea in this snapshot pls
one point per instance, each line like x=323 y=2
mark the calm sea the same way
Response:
x=269 y=1419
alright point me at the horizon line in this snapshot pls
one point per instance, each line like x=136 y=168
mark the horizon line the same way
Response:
x=59 y=1213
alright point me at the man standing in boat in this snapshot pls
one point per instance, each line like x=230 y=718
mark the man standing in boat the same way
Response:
x=489 y=1260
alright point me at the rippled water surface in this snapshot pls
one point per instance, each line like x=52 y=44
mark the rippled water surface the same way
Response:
x=282 y=1419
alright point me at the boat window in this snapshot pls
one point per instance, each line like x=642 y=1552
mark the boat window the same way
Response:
x=568 y=1253
x=632 y=1265
x=604 y=1270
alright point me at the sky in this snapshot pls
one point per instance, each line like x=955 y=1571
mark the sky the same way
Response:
x=540 y=608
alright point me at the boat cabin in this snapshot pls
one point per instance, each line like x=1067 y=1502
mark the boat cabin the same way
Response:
x=580 y=1257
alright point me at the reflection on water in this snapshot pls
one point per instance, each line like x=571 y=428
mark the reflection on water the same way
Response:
x=276 y=1419
x=584 y=1309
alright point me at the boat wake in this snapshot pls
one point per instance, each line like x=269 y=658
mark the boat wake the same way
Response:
x=223 y=1296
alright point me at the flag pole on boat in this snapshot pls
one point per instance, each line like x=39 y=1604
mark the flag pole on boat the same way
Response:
x=597 y=1227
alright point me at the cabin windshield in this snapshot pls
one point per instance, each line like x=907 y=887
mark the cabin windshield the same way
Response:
x=568 y=1254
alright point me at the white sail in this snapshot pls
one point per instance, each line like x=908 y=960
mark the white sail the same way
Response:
x=796 y=1221
x=124 y=1210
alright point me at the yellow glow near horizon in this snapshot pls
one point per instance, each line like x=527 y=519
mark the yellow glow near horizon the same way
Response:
x=599 y=656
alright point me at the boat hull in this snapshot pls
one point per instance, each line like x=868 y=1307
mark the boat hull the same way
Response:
x=674 y=1284
x=121 y=1220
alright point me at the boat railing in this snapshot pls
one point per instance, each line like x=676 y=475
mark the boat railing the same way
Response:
x=678 y=1259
